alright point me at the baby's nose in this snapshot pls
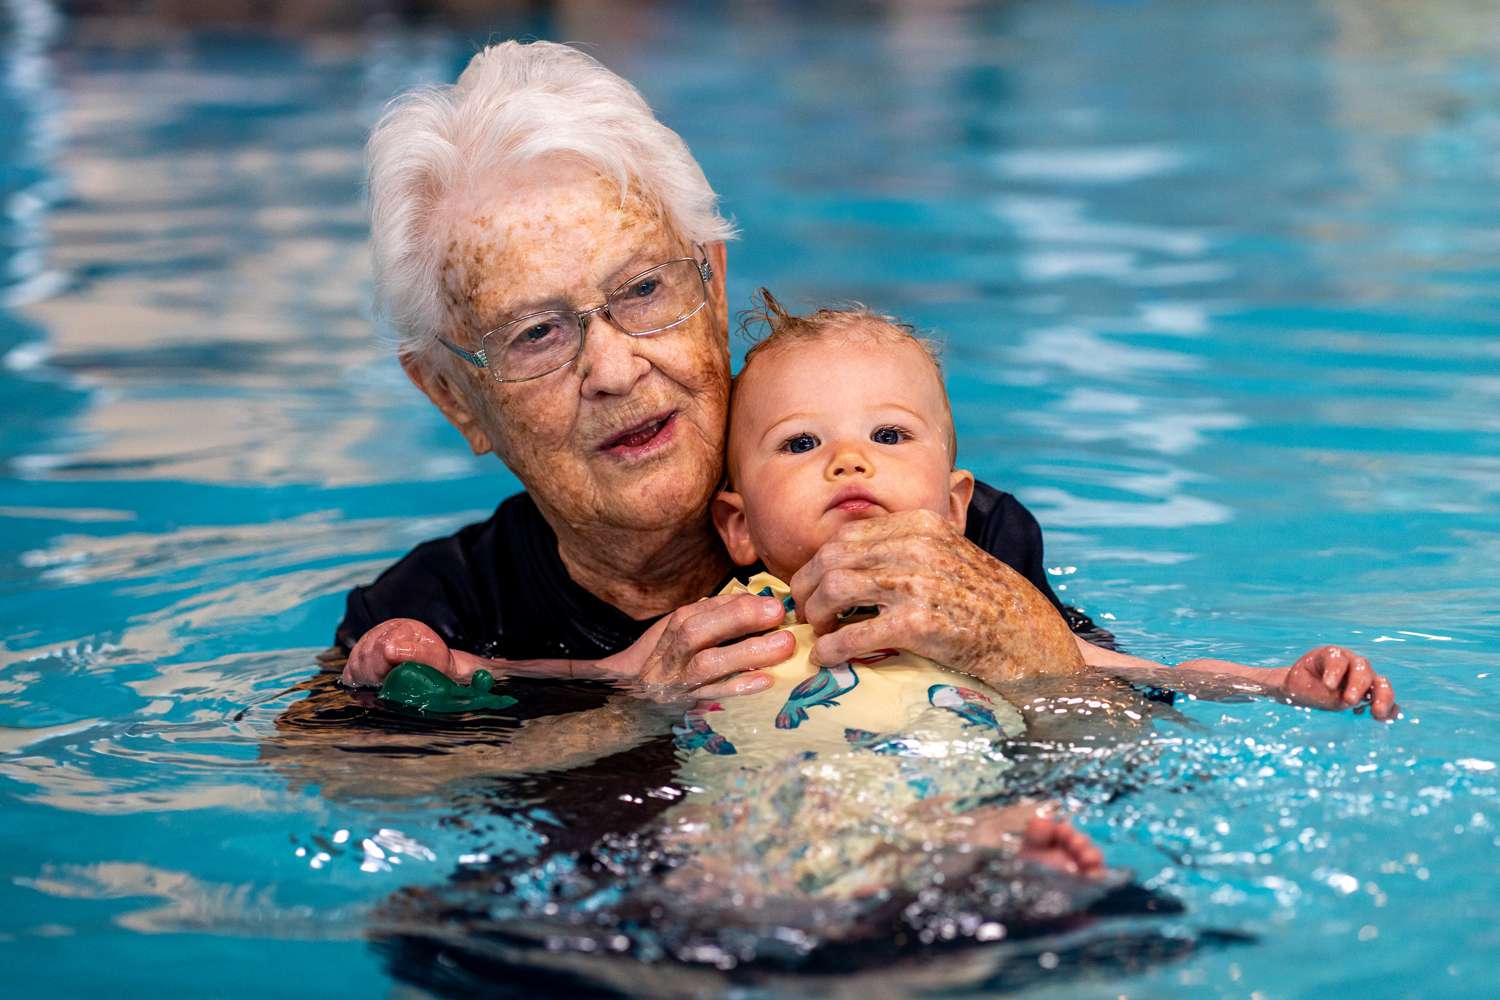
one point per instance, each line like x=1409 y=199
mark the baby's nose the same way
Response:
x=848 y=462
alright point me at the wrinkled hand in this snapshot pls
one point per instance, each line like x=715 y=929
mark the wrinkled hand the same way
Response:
x=680 y=657
x=939 y=596
x=1334 y=678
x=396 y=641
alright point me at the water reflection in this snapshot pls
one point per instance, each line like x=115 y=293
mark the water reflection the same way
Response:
x=1063 y=221
x=187 y=904
x=220 y=279
x=1089 y=414
x=224 y=552
x=178 y=745
x=31 y=105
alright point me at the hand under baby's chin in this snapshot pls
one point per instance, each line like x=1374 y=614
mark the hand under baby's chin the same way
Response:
x=785 y=559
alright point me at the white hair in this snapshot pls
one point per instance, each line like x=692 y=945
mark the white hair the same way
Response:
x=513 y=103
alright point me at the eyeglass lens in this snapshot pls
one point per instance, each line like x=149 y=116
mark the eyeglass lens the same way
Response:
x=543 y=342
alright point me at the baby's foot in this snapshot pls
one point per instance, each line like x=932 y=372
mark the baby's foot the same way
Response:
x=1056 y=844
x=1027 y=830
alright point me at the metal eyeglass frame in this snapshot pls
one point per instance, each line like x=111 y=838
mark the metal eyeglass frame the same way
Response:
x=481 y=358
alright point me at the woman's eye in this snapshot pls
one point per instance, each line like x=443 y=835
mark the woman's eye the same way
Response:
x=644 y=289
x=888 y=435
x=799 y=443
x=536 y=334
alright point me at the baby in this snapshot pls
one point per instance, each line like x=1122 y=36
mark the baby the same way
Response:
x=839 y=416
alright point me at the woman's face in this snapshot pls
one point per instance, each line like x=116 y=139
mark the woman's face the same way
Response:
x=629 y=435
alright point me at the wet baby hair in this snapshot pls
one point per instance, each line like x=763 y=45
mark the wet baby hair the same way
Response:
x=784 y=329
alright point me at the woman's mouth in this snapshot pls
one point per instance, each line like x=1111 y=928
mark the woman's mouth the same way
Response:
x=643 y=438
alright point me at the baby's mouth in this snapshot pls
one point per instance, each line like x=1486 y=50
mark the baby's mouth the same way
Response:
x=853 y=500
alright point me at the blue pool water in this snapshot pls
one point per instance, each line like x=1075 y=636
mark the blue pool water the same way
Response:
x=1220 y=284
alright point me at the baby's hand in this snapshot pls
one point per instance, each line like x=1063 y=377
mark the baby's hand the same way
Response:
x=1333 y=678
x=396 y=641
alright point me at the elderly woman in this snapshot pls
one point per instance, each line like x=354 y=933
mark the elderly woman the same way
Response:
x=554 y=261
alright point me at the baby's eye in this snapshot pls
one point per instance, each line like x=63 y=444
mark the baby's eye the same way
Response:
x=888 y=435
x=799 y=443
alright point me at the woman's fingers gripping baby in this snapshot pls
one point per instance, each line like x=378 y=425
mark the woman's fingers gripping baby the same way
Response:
x=690 y=653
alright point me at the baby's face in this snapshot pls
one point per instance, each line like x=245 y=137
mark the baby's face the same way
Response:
x=831 y=431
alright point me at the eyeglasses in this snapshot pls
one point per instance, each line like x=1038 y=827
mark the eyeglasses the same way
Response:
x=540 y=343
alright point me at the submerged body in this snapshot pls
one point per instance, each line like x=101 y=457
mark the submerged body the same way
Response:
x=824 y=784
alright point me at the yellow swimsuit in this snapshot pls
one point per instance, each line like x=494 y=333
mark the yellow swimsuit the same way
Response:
x=892 y=703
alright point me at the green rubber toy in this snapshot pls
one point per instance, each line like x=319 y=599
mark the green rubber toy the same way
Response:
x=416 y=687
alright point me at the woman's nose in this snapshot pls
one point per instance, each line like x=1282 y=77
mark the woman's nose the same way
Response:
x=848 y=462
x=610 y=364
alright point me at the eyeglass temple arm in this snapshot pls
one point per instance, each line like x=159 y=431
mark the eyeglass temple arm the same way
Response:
x=478 y=359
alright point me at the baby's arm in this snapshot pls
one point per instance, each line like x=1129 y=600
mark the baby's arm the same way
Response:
x=686 y=655
x=1329 y=677
x=398 y=640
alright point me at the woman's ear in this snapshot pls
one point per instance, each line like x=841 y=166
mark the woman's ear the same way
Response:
x=446 y=397
x=960 y=492
x=729 y=519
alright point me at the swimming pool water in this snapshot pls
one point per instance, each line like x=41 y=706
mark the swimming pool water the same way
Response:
x=1220 y=292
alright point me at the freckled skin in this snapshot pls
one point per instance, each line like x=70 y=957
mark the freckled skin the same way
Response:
x=634 y=532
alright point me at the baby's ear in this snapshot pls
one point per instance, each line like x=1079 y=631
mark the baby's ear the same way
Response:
x=960 y=492
x=729 y=519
